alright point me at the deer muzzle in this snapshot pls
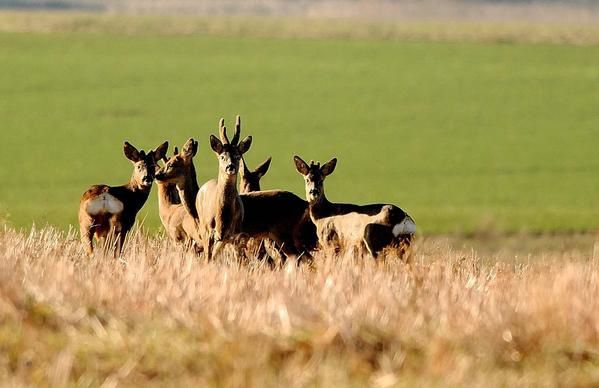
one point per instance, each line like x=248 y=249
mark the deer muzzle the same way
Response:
x=230 y=169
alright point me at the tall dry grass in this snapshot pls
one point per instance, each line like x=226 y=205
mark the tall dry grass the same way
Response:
x=162 y=316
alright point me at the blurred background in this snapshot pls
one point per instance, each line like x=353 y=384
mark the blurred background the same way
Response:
x=476 y=117
x=529 y=10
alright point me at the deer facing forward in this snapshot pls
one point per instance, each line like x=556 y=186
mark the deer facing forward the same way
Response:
x=111 y=210
x=219 y=207
x=340 y=225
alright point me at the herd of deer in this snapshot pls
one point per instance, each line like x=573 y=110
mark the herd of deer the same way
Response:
x=217 y=213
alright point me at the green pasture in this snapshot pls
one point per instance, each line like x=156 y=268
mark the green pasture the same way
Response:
x=464 y=136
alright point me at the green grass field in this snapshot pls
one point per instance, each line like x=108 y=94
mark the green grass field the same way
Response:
x=464 y=136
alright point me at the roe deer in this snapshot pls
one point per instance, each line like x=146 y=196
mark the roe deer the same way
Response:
x=176 y=180
x=219 y=207
x=112 y=209
x=250 y=180
x=280 y=216
x=341 y=225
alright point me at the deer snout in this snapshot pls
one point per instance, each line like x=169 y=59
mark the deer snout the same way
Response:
x=314 y=192
x=147 y=180
x=230 y=169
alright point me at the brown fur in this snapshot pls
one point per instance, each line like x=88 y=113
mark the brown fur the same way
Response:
x=341 y=225
x=131 y=196
x=219 y=208
x=177 y=190
x=279 y=216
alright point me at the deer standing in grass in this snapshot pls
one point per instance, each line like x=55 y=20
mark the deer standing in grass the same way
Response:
x=177 y=190
x=110 y=211
x=279 y=217
x=339 y=225
x=220 y=209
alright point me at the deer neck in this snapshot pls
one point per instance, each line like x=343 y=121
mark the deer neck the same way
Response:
x=139 y=192
x=188 y=192
x=168 y=198
x=226 y=187
x=321 y=208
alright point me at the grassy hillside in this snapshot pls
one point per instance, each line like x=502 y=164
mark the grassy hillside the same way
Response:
x=462 y=135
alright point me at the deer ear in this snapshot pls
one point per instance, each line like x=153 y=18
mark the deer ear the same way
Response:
x=160 y=152
x=300 y=165
x=215 y=144
x=328 y=167
x=131 y=152
x=190 y=148
x=243 y=169
x=244 y=145
x=263 y=168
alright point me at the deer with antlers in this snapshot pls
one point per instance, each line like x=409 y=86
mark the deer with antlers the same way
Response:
x=177 y=190
x=110 y=211
x=220 y=210
x=338 y=225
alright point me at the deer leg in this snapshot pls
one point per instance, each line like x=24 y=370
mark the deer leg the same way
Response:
x=120 y=242
x=377 y=237
x=208 y=246
x=217 y=247
x=117 y=235
x=87 y=236
x=289 y=251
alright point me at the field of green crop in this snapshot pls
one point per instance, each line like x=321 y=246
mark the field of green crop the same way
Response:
x=464 y=136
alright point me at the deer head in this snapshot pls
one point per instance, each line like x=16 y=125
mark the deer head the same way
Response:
x=177 y=167
x=314 y=176
x=144 y=163
x=250 y=180
x=229 y=152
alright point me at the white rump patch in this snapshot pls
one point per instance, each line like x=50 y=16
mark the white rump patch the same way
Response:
x=104 y=204
x=407 y=226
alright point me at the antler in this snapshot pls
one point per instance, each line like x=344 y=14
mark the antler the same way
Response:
x=223 y=131
x=237 y=130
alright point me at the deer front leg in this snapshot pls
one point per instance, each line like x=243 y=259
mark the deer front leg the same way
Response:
x=117 y=235
x=208 y=245
x=217 y=247
x=87 y=236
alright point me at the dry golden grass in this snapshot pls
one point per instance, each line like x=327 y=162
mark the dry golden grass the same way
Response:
x=161 y=316
x=302 y=27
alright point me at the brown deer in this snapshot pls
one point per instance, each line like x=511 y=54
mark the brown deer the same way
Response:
x=176 y=180
x=339 y=225
x=111 y=210
x=250 y=180
x=278 y=216
x=282 y=217
x=219 y=207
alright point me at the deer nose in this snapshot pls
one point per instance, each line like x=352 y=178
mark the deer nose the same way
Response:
x=147 y=179
x=231 y=169
x=314 y=192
